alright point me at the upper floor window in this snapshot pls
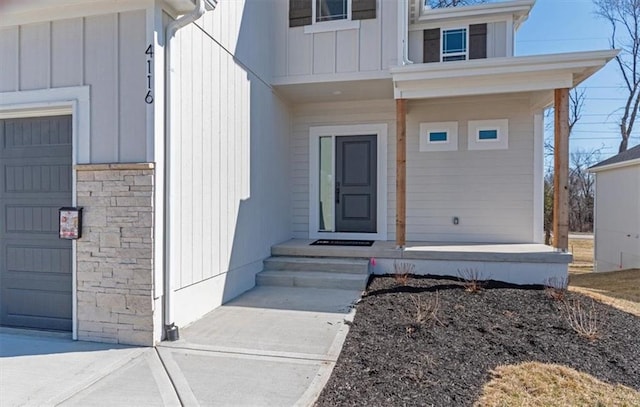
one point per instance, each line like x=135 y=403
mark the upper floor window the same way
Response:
x=329 y=10
x=454 y=45
x=317 y=15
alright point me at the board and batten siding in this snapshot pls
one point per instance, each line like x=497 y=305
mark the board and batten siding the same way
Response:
x=229 y=181
x=617 y=217
x=373 y=47
x=491 y=192
x=105 y=52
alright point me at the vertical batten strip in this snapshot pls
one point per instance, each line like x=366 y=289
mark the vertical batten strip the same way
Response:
x=401 y=171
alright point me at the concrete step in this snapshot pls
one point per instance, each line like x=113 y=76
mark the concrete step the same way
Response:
x=352 y=266
x=313 y=279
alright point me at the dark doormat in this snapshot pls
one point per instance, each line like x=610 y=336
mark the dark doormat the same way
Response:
x=331 y=242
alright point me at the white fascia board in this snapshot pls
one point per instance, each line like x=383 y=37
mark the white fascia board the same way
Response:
x=621 y=164
x=523 y=63
x=519 y=8
x=481 y=85
x=497 y=75
x=18 y=12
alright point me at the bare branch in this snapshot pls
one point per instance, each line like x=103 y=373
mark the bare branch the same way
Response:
x=624 y=18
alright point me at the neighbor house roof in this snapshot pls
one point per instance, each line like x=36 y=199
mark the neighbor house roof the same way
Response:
x=629 y=157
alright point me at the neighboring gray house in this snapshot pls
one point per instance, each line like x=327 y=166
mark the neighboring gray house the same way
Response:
x=617 y=212
x=273 y=121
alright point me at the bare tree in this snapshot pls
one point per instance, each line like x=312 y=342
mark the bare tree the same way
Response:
x=576 y=104
x=453 y=3
x=581 y=189
x=624 y=17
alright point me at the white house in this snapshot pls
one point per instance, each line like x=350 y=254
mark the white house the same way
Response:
x=200 y=138
x=617 y=212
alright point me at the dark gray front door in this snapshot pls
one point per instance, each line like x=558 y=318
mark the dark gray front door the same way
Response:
x=355 y=184
x=35 y=180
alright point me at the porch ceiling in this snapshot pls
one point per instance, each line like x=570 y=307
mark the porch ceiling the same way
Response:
x=498 y=75
x=341 y=91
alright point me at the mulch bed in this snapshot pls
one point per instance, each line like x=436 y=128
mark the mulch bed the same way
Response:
x=388 y=359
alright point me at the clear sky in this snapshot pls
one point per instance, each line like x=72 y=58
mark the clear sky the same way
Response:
x=571 y=25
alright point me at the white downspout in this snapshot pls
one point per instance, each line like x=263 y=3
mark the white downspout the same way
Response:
x=403 y=32
x=170 y=329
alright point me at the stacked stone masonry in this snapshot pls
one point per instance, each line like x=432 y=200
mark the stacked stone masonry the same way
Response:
x=115 y=253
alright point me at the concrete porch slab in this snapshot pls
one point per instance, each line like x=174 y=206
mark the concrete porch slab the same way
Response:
x=493 y=252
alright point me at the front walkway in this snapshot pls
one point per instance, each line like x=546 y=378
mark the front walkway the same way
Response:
x=270 y=346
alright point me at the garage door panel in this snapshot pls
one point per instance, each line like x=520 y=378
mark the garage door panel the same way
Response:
x=30 y=220
x=22 y=312
x=35 y=181
x=36 y=132
x=38 y=260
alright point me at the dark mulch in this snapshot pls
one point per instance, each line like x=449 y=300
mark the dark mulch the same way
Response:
x=388 y=360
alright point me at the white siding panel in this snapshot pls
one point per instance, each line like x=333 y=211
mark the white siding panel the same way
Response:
x=66 y=52
x=347 y=51
x=230 y=168
x=105 y=52
x=389 y=36
x=370 y=49
x=324 y=53
x=300 y=52
x=35 y=42
x=497 y=39
x=132 y=83
x=617 y=217
x=9 y=56
x=281 y=31
x=490 y=191
x=101 y=73
x=416 y=46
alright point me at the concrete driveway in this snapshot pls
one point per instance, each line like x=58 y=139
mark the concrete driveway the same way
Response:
x=272 y=346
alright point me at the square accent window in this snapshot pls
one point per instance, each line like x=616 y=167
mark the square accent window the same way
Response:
x=439 y=136
x=454 y=45
x=488 y=134
x=330 y=10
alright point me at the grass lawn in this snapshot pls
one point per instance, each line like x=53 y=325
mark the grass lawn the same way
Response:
x=582 y=250
x=620 y=289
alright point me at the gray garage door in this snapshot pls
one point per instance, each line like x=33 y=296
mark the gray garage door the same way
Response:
x=35 y=180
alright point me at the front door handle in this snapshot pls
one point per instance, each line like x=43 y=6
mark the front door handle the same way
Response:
x=337 y=192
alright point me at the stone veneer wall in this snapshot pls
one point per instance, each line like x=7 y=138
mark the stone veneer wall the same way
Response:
x=115 y=253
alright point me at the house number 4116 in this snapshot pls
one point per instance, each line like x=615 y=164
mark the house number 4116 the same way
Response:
x=149 y=53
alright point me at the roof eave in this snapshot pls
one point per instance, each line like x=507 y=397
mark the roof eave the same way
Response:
x=628 y=163
x=550 y=71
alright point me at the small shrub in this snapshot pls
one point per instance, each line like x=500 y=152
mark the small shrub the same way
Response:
x=582 y=319
x=402 y=271
x=425 y=310
x=473 y=280
x=556 y=288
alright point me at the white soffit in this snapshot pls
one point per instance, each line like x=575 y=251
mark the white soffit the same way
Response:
x=497 y=75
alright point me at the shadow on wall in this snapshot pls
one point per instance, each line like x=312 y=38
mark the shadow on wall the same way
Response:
x=264 y=215
x=245 y=187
